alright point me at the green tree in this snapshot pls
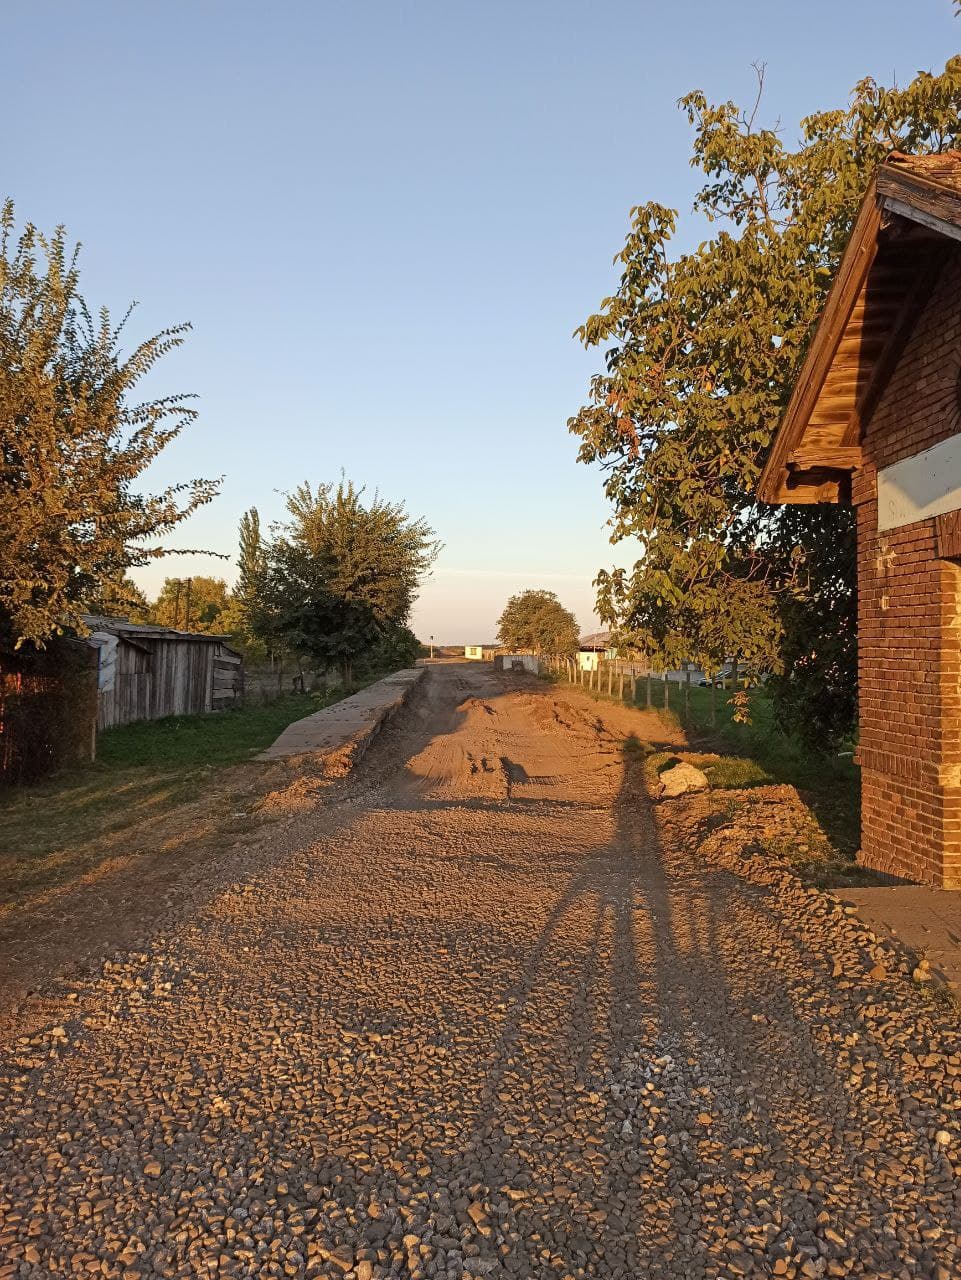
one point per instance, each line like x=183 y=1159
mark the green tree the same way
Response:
x=342 y=575
x=122 y=599
x=192 y=604
x=702 y=351
x=251 y=564
x=536 y=620
x=73 y=445
x=396 y=649
x=245 y=617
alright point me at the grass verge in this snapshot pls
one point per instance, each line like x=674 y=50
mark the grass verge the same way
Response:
x=737 y=756
x=61 y=828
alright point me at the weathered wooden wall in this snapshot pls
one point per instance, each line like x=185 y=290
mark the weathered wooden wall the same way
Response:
x=159 y=677
x=228 y=675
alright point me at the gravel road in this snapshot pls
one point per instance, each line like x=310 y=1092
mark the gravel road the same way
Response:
x=482 y=1014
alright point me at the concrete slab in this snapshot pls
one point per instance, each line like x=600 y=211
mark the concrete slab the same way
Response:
x=924 y=919
x=348 y=726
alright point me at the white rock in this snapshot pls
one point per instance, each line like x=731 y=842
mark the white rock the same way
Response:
x=682 y=778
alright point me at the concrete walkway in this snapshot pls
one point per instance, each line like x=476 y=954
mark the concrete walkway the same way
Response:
x=348 y=725
x=927 y=920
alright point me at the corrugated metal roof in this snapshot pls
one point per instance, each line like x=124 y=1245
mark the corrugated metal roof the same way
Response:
x=596 y=640
x=146 y=630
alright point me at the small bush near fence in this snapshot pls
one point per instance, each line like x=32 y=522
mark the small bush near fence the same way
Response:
x=48 y=710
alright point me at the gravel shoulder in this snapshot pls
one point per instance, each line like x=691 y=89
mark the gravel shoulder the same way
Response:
x=485 y=1009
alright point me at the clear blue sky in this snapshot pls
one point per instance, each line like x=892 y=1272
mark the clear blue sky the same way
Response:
x=385 y=220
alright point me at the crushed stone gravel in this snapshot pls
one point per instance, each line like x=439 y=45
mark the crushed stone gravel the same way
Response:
x=490 y=1012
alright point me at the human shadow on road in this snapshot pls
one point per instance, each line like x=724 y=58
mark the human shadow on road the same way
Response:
x=691 y=1080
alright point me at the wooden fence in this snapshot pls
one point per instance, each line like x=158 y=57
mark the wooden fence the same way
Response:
x=48 y=710
x=635 y=684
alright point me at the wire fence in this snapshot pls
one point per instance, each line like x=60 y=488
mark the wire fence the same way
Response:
x=691 y=696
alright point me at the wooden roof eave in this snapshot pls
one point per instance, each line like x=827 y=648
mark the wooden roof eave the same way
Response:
x=777 y=483
x=929 y=204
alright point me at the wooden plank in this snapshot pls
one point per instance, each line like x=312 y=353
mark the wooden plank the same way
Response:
x=947 y=529
x=844 y=293
x=807 y=488
x=919 y=196
x=843 y=458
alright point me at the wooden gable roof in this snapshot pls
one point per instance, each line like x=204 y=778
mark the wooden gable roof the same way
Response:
x=907 y=225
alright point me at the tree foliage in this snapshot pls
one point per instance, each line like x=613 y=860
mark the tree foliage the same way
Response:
x=73 y=444
x=535 y=620
x=123 y=599
x=702 y=350
x=245 y=617
x=193 y=604
x=251 y=560
x=342 y=575
x=396 y=649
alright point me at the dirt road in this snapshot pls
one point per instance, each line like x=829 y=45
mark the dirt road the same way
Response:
x=480 y=1014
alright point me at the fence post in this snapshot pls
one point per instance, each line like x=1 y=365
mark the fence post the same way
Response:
x=667 y=693
x=712 y=678
x=620 y=687
x=649 y=688
x=687 y=691
x=610 y=678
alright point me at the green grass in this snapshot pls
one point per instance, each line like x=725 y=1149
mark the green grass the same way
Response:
x=66 y=826
x=762 y=753
x=193 y=741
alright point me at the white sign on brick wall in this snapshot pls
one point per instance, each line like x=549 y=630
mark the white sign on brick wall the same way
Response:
x=929 y=484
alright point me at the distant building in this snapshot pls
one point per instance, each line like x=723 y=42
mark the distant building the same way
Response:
x=529 y=662
x=480 y=652
x=147 y=672
x=594 y=649
x=474 y=651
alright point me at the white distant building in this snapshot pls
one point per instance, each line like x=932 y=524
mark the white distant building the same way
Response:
x=594 y=649
x=479 y=652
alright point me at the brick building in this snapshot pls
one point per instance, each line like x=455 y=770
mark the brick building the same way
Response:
x=875 y=420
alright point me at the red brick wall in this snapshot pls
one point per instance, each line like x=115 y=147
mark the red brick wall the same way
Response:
x=909 y=619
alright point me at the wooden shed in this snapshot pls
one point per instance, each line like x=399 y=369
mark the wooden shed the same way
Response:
x=875 y=421
x=147 y=672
